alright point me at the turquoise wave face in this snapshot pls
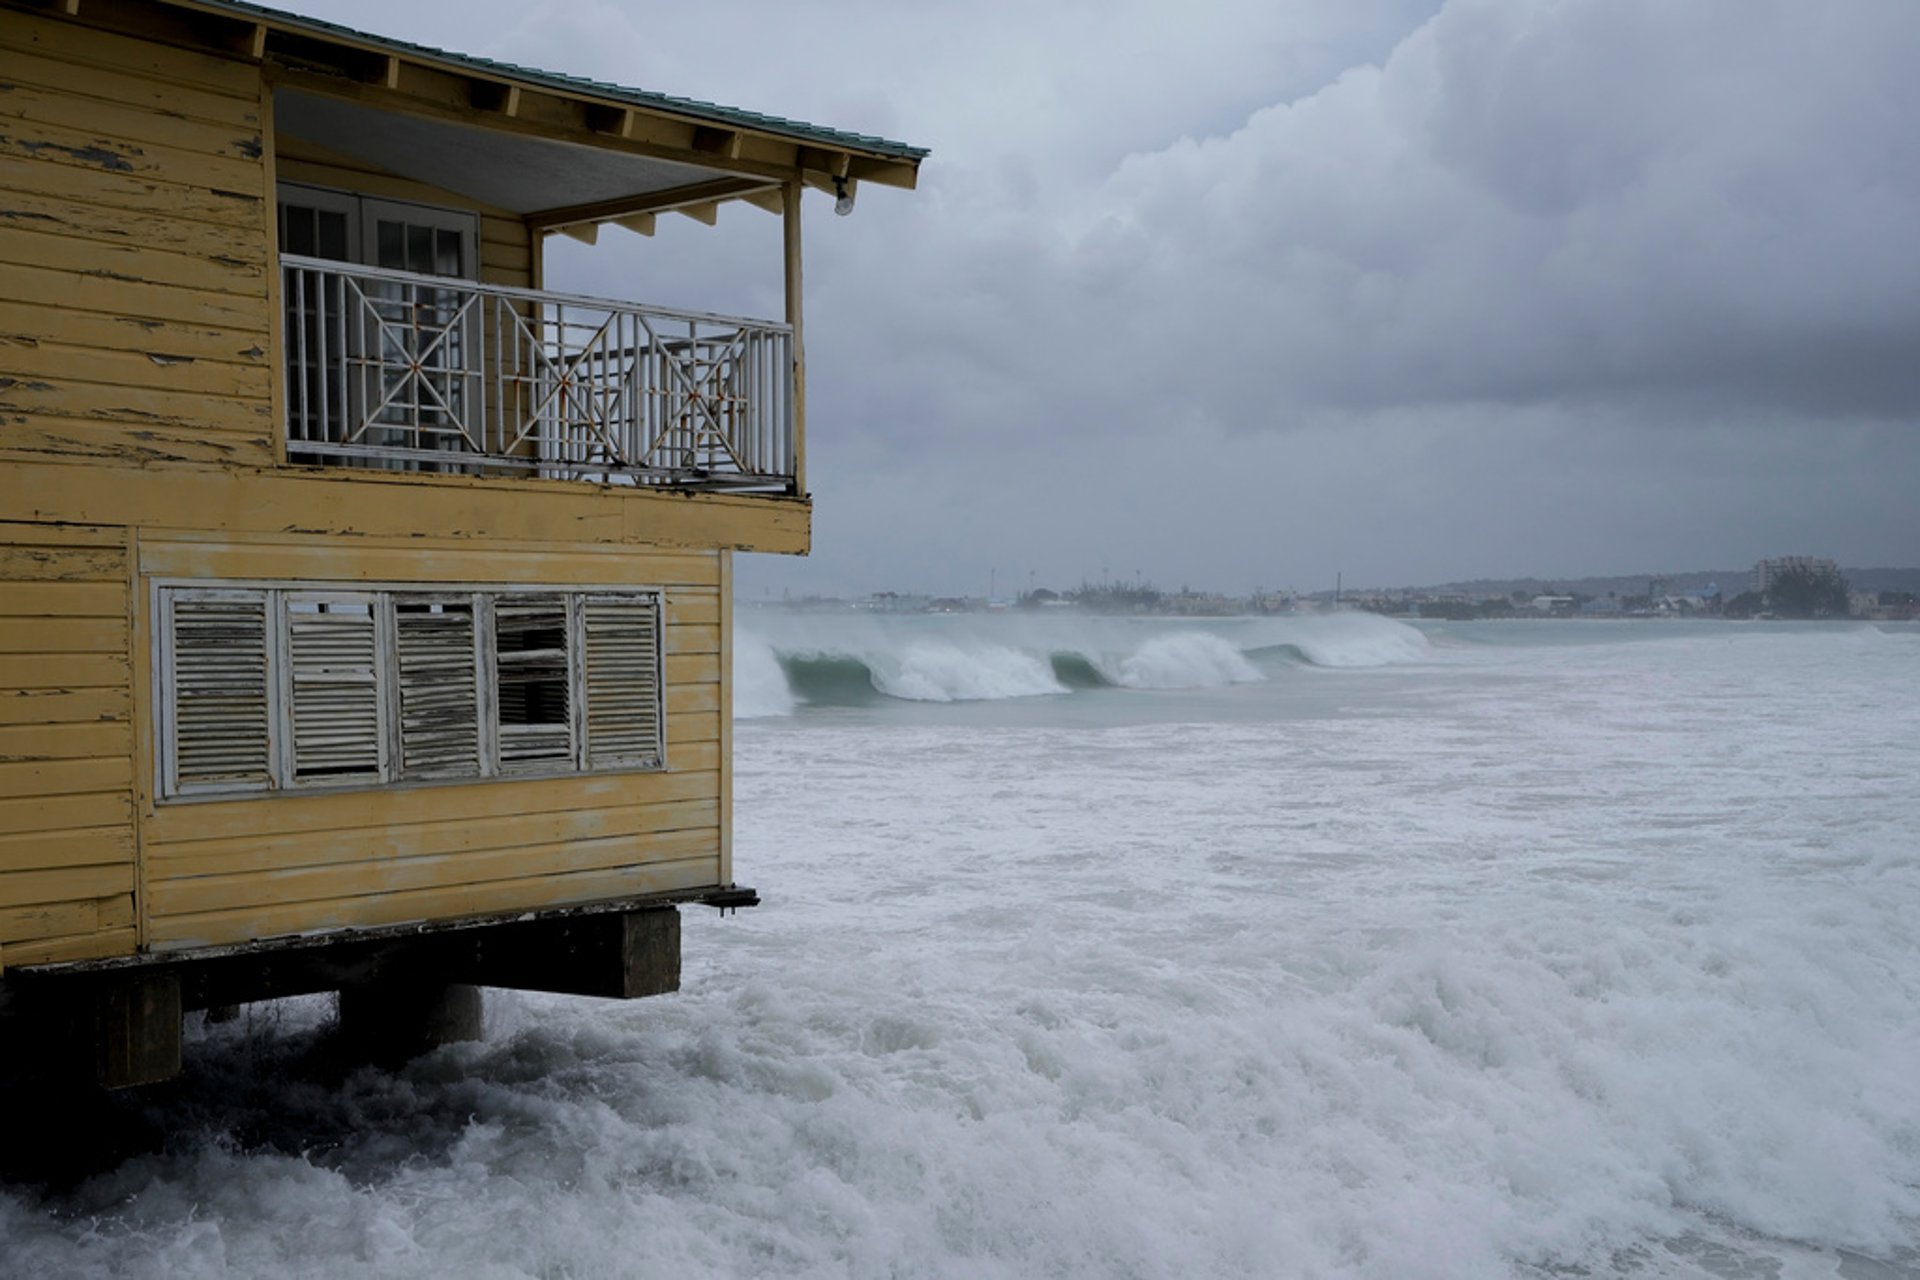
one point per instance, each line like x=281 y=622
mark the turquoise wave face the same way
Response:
x=1280 y=655
x=1077 y=671
x=830 y=680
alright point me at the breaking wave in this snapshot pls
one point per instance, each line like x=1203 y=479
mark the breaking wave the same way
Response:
x=1186 y=660
x=760 y=687
x=785 y=662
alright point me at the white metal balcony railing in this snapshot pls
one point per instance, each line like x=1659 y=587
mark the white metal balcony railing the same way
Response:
x=390 y=369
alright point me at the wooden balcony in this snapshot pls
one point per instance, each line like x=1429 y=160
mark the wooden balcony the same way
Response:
x=398 y=371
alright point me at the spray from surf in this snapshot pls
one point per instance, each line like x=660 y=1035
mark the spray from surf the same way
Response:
x=788 y=661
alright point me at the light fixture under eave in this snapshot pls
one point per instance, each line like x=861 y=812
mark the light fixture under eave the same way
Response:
x=842 y=197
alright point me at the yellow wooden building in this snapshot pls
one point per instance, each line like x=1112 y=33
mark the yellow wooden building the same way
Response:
x=365 y=607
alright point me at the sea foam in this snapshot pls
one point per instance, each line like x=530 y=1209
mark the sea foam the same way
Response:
x=1535 y=962
x=1184 y=660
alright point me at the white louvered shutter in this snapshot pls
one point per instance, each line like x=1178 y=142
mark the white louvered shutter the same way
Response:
x=623 y=684
x=533 y=680
x=219 y=690
x=439 y=694
x=333 y=658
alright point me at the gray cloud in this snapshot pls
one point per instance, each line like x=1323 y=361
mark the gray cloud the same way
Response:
x=1246 y=294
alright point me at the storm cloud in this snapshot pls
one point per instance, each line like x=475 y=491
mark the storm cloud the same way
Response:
x=1248 y=294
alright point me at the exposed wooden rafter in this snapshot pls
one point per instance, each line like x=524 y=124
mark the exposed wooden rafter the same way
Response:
x=699 y=201
x=724 y=143
x=492 y=95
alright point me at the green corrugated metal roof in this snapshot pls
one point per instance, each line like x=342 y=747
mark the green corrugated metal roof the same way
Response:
x=689 y=107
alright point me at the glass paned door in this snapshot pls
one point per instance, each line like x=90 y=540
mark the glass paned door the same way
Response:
x=317 y=223
x=427 y=340
x=378 y=364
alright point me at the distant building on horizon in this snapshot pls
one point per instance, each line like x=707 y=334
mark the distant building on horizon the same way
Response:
x=1766 y=572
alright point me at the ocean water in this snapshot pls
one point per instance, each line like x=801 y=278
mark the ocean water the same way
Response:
x=1318 y=946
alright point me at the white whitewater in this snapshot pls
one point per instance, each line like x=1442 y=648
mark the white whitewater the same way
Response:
x=1185 y=660
x=1542 y=950
x=759 y=685
x=831 y=658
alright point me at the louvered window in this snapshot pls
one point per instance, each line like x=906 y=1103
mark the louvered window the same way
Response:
x=333 y=662
x=621 y=660
x=294 y=686
x=219 y=712
x=439 y=686
x=532 y=679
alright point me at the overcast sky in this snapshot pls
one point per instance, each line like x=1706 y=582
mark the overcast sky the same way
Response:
x=1248 y=293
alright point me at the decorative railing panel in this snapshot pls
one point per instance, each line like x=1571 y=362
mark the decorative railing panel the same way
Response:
x=394 y=370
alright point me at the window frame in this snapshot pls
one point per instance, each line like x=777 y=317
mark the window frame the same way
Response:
x=383 y=600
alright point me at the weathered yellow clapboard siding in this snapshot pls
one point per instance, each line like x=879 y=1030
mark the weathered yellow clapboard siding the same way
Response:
x=166 y=553
x=25 y=107
x=688 y=608
x=63 y=600
x=63 y=706
x=132 y=440
x=241 y=211
x=44 y=742
x=372 y=504
x=66 y=884
x=164 y=99
x=692 y=638
x=85 y=219
x=701 y=731
x=24 y=533
x=693 y=668
x=67 y=865
x=77 y=148
x=115 y=295
x=148 y=367
x=136 y=406
x=91 y=47
x=240 y=270
x=295 y=815
x=73 y=847
x=699 y=697
x=64 y=777
x=50 y=920
x=196 y=895
x=47 y=931
x=63 y=813
x=63 y=671
x=291 y=815
x=61 y=635
x=508 y=251
x=83 y=946
x=134 y=253
x=331 y=846
x=34 y=321
x=506 y=263
x=43 y=563
x=527 y=893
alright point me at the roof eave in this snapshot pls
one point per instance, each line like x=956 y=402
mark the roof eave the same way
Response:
x=820 y=153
